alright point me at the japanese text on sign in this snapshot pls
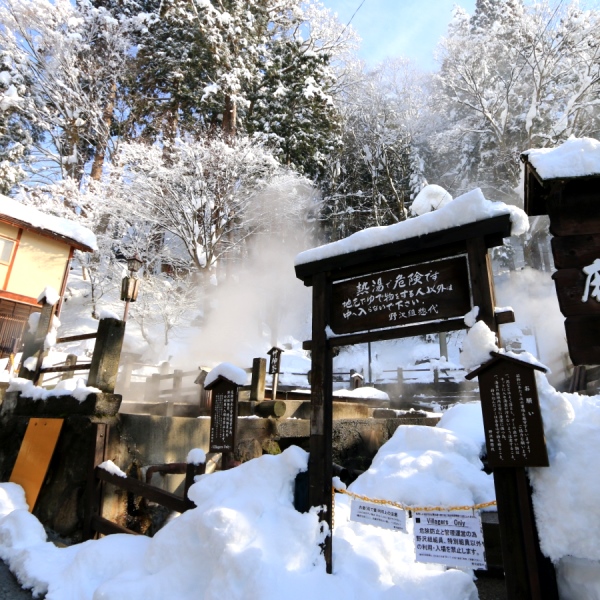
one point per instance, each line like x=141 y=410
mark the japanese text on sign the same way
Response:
x=222 y=429
x=452 y=539
x=423 y=292
x=380 y=515
x=512 y=420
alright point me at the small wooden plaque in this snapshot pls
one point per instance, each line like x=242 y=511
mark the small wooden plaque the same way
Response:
x=223 y=415
x=512 y=418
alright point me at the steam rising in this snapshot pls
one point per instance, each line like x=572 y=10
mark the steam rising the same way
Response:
x=259 y=302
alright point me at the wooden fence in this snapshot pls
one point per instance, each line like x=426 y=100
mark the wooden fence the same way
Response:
x=94 y=522
x=103 y=367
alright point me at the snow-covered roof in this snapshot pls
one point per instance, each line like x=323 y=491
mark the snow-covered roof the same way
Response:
x=226 y=371
x=21 y=215
x=468 y=208
x=577 y=157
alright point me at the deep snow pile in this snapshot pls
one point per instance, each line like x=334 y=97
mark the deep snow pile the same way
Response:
x=245 y=539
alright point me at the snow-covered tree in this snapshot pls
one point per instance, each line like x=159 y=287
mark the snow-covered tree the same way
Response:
x=512 y=77
x=60 y=65
x=377 y=171
x=198 y=196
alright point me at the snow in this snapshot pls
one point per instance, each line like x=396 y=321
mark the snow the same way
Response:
x=430 y=198
x=468 y=208
x=227 y=371
x=27 y=214
x=196 y=456
x=477 y=345
x=75 y=387
x=577 y=157
x=245 y=539
x=430 y=466
x=364 y=393
x=110 y=467
x=50 y=295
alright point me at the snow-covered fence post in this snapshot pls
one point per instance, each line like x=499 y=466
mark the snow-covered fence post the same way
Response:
x=107 y=353
x=35 y=343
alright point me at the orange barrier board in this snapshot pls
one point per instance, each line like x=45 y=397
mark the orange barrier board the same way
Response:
x=34 y=456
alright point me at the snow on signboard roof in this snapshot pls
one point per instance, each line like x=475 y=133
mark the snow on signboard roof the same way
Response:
x=21 y=215
x=577 y=157
x=468 y=208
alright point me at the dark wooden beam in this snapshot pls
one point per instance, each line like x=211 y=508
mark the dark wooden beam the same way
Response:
x=392 y=334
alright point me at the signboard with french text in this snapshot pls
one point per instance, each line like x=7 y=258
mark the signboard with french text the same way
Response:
x=512 y=416
x=419 y=293
x=380 y=515
x=454 y=539
x=223 y=416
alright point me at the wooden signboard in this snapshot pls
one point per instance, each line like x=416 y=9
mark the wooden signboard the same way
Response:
x=34 y=457
x=419 y=293
x=368 y=295
x=512 y=417
x=223 y=415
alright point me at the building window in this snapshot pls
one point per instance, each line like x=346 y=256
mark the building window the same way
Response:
x=6 y=248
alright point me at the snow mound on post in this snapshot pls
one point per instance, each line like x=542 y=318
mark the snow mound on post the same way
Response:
x=468 y=208
x=430 y=198
x=428 y=466
x=50 y=295
x=477 y=345
x=227 y=371
x=577 y=157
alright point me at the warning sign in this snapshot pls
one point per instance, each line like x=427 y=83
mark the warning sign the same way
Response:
x=453 y=539
x=380 y=515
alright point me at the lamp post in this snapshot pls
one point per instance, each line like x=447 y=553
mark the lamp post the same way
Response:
x=130 y=284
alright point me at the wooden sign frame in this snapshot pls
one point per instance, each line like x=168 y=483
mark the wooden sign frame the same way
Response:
x=471 y=240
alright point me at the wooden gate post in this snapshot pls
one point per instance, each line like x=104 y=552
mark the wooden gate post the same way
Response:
x=519 y=539
x=320 y=467
x=35 y=342
x=107 y=353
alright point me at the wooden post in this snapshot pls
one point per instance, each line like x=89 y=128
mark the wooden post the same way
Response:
x=69 y=362
x=320 y=463
x=177 y=381
x=107 y=353
x=35 y=344
x=190 y=472
x=95 y=488
x=257 y=384
x=521 y=554
x=125 y=382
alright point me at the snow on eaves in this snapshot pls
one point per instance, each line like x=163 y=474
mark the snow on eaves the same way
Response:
x=80 y=236
x=577 y=157
x=227 y=371
x=468 y=208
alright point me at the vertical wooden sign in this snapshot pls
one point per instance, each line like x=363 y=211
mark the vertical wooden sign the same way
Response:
x=223 y=415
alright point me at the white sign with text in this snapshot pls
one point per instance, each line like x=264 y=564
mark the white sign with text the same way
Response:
x=449 y=538
x=380 y=515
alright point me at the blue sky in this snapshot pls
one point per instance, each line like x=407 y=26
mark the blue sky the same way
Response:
x=409 y=28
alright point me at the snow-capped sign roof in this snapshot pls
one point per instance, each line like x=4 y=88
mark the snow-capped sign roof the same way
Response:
x=226 y=371
x=468 y=208
x=577 y=157
x=21 y=215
